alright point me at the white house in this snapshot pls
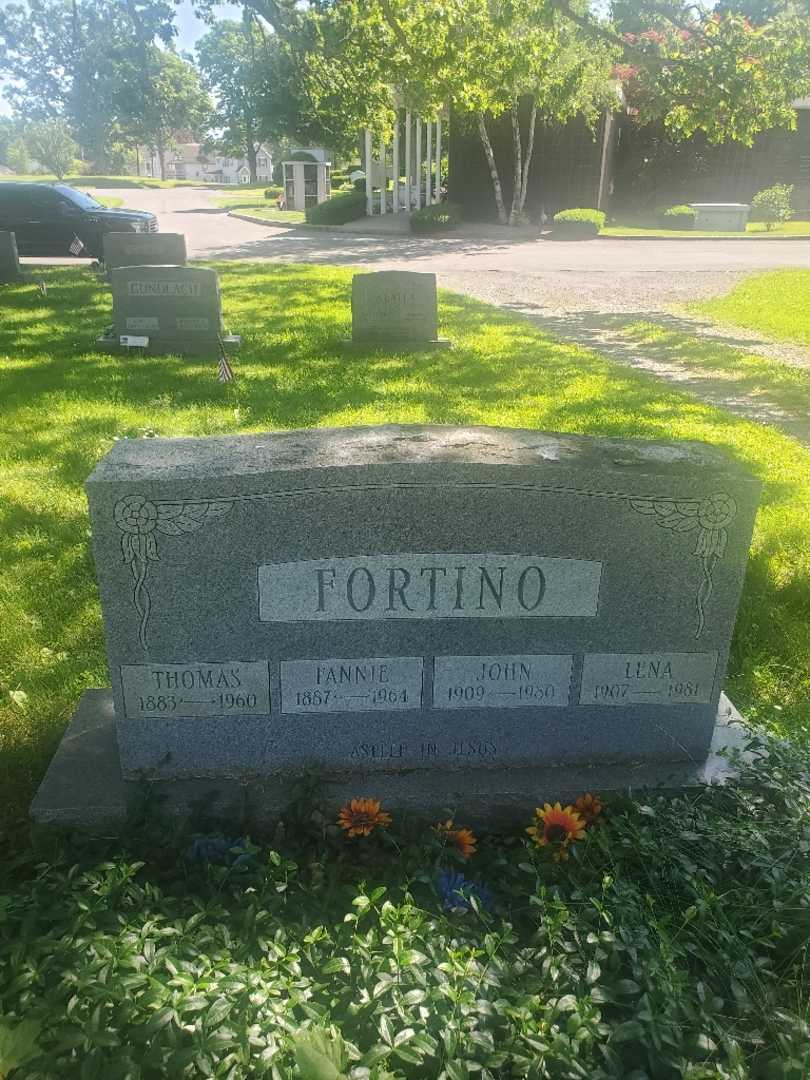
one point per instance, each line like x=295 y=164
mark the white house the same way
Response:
x=188 y=161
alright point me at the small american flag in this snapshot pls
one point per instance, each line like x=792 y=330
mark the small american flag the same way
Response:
x=225 y=370
x=76 y=245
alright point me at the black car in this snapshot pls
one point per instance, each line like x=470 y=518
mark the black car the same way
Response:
x=48 y=218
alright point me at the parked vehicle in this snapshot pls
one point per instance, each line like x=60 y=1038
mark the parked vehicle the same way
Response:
x=56 y=219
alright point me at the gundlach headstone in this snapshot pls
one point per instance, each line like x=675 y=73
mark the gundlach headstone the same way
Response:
x=9 y=259
x=397 y=309
x=468 y=617
x=143 y=249
x=166 y=309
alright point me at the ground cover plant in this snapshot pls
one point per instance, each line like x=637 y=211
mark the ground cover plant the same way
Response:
x=670 y=943
x=758 y=229
x=257 y=205
x=777 y=304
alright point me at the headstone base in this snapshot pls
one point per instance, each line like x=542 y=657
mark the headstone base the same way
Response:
x=110 y=343
x=83 y=787
x=396 y=346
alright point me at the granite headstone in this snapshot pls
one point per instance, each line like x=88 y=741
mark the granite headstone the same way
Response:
x=397 y=309
x=9 y=259
x=166 y=309
x=415 y=608
x=143 y=249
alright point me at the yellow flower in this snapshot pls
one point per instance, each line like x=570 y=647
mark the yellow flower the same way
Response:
x=360 y=817
x=463 y=839
x=556 y=827
x=589 y=808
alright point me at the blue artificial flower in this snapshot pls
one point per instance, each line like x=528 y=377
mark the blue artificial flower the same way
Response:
x=457 y=891
x=220 y=851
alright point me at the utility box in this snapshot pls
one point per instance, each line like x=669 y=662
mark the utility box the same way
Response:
x=721 y=217
x=306 y=183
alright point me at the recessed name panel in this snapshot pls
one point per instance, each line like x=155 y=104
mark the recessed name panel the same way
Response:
x=230 y=688
x=648 y=678
x=428 y=586
x=501 y=682
x=365 y=684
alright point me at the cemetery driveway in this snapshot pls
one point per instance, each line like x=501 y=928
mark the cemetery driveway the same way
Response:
x=583 y=292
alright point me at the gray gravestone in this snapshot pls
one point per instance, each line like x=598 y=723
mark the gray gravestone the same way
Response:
x=416 y=609
x=9 y=260
x=397 y=309
x=143 y=249
x=166 y=309
x=721 y=217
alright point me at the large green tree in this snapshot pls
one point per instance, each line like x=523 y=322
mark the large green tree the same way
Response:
x=68 y=58
x=50 y=143
x=233 y=60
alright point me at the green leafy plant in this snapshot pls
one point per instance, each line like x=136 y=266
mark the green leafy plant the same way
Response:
x=272 y=192
x=320 y=1054
x=578 y=224
x=438 y=218
x=772 y=205
x=338 y=210
x=19 y=1044
x=678 y=217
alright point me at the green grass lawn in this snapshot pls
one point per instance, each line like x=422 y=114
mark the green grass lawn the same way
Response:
x=265 y=209
x=122 y=182
x=673 y=945
x=777 y=304
x=754 y=228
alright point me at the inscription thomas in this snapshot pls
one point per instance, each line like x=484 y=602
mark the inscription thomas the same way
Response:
x=428 y=586
x=366 y=684
x=648 y=678
x=196 y=689
x=501 y=682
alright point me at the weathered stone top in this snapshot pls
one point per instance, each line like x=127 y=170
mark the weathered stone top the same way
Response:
x=401 y=444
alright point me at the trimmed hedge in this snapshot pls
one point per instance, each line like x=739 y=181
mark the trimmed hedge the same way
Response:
x=338 y=210
x=441 y=217
x=578 y=224
x=677 y=217
x=272 y=192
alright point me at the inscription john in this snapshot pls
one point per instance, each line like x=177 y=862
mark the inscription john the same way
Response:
x=196 y=689
x=428 y=586
x=501 y=682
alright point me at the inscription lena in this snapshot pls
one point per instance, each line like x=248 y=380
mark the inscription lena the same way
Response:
x=428 y=586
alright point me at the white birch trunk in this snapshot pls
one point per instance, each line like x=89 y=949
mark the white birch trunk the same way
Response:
x=493 y=169
x=527 y=161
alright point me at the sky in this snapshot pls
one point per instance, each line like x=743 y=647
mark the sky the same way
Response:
x=188 y=25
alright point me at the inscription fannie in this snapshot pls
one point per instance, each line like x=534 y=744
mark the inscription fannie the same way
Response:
x=428 y=586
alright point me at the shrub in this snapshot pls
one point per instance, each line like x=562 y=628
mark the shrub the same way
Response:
x=338 y=210
x=578 y=224
x=441 y=217
x=772 y=205
x=272 y=192
x=677 y=217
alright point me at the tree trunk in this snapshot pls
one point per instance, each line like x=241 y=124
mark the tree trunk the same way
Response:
x=161 y=152
x=250 y=147
x=517 y=187
x=493 y=169
x=527 y=161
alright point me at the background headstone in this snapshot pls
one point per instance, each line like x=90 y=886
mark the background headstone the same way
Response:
x=721 y=217
x=143 y=249
x=9 y=260
x=167 y=309
x=395 y=308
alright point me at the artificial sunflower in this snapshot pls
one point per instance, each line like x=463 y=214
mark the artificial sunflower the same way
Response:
x=360 y=817
x=589 y=808
x=463 y=840
x=556 y=827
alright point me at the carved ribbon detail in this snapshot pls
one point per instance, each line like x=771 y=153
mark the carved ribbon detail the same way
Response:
x=710 y=517
x=139 y=520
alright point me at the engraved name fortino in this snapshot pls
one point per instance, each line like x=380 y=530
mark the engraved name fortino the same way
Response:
x=428 y=586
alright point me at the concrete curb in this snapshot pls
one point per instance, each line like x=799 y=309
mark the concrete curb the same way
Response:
x=282 y=224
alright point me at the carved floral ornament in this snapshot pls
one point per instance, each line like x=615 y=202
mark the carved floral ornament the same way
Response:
x=139 y=520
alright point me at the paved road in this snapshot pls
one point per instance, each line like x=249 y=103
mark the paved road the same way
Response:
x=539 y=275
